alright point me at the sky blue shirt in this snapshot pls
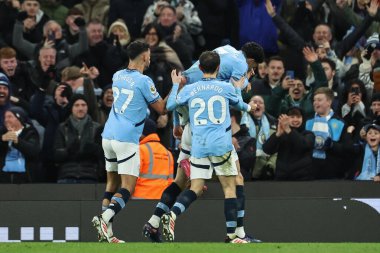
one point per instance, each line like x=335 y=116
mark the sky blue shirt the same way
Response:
x=208 y=101
x=232 y=65
x=132 y=92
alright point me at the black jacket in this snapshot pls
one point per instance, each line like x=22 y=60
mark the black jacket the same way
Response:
x=78 y=157
x=29 y=145
x=294 y=155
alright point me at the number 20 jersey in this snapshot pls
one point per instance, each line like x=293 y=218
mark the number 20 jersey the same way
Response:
x=132 y=93
x=208 y=101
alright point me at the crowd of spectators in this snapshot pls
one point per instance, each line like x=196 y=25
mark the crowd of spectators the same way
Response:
x=317 y=111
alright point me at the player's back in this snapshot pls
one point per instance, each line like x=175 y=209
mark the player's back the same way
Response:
x=132 y=92
x=208 y=102
x=232 y=65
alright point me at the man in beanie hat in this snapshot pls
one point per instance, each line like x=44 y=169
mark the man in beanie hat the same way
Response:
x=156 y=165
x=77 y=148
x=4 y=96
x=19 y=148
x=293 y=146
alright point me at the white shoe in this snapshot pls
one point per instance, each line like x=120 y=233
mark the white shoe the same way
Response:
x=113 y=239
x=101 y=227
x=168 y=224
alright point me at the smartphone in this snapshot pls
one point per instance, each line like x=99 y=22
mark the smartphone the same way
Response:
x=51 y=36
x=290 y=73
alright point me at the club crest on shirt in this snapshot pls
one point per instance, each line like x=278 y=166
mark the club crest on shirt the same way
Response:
x=153 y=89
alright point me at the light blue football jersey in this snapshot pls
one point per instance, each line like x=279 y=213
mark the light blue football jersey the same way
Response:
x=132 y=92
x=208 y=101
x=232 y=65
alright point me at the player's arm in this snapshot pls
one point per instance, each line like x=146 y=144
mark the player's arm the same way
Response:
x=159 y=106
x=178 y=83
x=236 y=99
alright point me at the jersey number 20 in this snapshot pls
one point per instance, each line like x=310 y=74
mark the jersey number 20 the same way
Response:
x=128 y=98
x=210 y=110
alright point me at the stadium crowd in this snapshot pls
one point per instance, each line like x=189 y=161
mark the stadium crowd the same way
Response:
x=317 y=113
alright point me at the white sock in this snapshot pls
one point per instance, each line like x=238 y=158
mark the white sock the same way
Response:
x=154 y=221
x=107 y=215
x=240 y=232
x=231 y=236
x=109 y=229
x=173 y=215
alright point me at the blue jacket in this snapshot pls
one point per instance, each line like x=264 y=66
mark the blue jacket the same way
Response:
x=256 y=25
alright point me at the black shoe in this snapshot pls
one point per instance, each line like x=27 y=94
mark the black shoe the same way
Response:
x=152 y=233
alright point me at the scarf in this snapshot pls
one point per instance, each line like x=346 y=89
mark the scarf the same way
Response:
x=79 y=124
x=371 y=165
x=262 y=135
x=321 y=131
x=14 y=160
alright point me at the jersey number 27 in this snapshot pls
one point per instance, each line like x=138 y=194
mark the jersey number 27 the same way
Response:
x=118 y=93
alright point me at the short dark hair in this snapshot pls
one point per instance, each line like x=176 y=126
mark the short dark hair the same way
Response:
x=254 y=51
x=136 y=48
x=209 y=61
x=277 y=58
x=329 y=62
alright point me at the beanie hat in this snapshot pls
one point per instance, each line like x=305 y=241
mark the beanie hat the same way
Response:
x=373 y=41
x=122 y=24
x=20 y=114
x=294 y=110
x=75 y=98
x=149 y=127
x=373 y=126
x=375 y=97
x=4 y=80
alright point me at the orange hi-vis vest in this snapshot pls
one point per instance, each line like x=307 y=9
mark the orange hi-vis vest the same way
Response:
x=156 y=169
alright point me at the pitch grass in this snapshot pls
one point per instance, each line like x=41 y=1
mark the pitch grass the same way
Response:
x=36 y=247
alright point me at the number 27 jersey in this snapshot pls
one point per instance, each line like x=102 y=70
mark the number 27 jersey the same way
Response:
x=132 y=92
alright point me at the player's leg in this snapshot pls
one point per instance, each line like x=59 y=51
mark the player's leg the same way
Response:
x=226 y=170
x=113 y=183
x=201 y=169
x=170 y=194
x=128 y=159
x=168 y=197
x=239 y=180
x=240 y=232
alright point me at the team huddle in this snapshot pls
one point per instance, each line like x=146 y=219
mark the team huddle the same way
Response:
x=201 y=98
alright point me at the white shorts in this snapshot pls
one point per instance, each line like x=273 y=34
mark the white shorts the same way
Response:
x=223 y=165
x=234 y=154
x=185 y=143
x=123 y=157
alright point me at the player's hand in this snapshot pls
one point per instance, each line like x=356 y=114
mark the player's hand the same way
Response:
x=253 y=106
x=176 y=78
x=177 y=132
x=235 y=143
x=239 y=83
x=376 y=179
x=162 y=121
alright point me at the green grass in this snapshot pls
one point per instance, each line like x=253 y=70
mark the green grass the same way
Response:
x=36 y=247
